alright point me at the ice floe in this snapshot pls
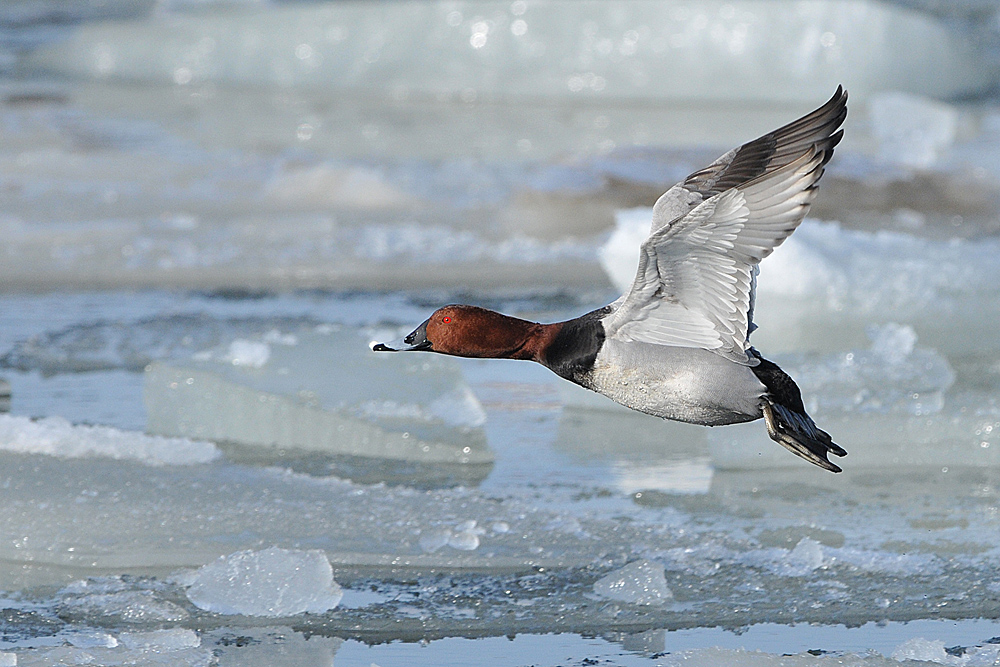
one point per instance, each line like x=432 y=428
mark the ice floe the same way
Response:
x=327 y=394
x=55 y=436
x=640 y=582
x=272 y=582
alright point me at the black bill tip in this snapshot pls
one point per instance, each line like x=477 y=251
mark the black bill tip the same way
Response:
x=416 y=340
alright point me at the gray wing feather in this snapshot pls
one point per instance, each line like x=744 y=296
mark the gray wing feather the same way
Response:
x=697 y=270
x=770 y=152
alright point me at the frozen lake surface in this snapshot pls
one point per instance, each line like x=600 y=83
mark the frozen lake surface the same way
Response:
x=208 y=210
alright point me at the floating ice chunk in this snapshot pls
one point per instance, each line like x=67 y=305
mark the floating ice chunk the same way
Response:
x=639 y=582
x=911 y=131
x=55 y=436
x=877 y=276
x=464 y=541
x=619 y=255
x=464 y=537
x=718 y=656
x=467 y=526
x=891 y=376
x=272 y=582
x=252 y=354
x=456 y=408
x=806 y=556
x=892 y=342
x=390 y=410
x=926 y=650
x=327 y=394
x=8 y=659
x=173 y=639
x=132 y=607
x=92 y=639
x=433 y=540
x=885 y=561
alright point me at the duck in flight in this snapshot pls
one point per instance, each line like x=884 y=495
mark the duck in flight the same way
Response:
x=676 y=345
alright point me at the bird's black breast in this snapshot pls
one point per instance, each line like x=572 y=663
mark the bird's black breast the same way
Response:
x=574 y=348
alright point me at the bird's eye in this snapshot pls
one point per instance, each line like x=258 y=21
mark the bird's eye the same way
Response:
x=446 y=320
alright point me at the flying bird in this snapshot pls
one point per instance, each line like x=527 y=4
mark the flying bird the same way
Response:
x=677 y=344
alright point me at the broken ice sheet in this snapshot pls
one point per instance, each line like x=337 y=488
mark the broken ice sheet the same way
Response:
x=325 y=395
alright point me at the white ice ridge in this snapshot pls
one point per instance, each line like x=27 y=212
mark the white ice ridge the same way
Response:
x=717 y=49
x=273 y=582
x=55 y=436
x=912 y=131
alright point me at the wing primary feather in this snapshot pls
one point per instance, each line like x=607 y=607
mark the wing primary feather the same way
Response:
x=696 y=282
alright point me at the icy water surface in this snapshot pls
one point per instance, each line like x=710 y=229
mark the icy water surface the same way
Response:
x=115 y=530
x=209 y=209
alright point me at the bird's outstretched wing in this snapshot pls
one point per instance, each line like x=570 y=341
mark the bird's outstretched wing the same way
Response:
x=695 y=282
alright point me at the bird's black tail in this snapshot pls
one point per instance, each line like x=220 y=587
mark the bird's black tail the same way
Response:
x=787 y=421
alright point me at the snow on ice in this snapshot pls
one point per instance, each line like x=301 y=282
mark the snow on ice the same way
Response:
x=55 y=436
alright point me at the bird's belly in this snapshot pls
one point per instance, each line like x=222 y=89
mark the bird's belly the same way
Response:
x=694 y=386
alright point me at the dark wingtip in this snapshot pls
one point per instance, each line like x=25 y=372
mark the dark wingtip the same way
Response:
x=382 y=347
